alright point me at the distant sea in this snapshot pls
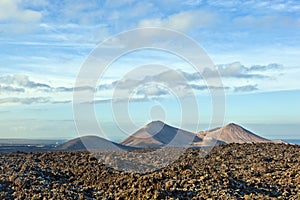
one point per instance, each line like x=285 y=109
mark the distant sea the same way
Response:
x=293 y=141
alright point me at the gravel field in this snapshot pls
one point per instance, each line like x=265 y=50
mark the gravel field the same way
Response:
x=233 y=171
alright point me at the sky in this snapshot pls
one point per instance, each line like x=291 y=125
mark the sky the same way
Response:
x=254 y=45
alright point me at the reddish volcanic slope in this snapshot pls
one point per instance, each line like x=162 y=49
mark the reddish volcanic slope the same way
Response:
x=232 y=133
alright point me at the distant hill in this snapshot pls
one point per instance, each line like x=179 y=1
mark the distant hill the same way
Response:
x=89 y=142
x=157 y=134
x=232 y=133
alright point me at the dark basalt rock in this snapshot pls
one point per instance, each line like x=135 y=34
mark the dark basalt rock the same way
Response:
x=234 y=171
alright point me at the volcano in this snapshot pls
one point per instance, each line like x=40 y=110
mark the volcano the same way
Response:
x=232 y=133
x=157 y=134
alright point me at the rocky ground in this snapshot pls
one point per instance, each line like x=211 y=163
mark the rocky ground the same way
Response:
x=234 y=171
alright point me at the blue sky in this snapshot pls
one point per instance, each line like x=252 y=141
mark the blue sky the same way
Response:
x=254 y=44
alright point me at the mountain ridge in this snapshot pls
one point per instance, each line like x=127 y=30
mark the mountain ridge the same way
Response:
x=157 y=134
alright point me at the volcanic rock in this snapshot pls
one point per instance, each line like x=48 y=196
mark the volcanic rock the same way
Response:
x=232 y=171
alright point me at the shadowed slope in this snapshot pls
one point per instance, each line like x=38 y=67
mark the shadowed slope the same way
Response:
x=90 y=142
x=157 y=134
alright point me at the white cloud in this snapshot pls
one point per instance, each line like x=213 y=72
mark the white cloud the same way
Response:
x=235 y=76
x=22 y=81
x=227 y=3
x=152 y=90
x=246 y=88
x=266 y=22
x=22 y=89
x=182 y=21
x=9 y=89
x=192 y=2
x=24 y=101
x=264 y=5
x=239 y=71
x=11 y=10
x=118 y=3
x=276 y=5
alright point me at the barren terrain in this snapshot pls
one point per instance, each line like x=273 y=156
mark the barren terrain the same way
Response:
x=233 y=171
